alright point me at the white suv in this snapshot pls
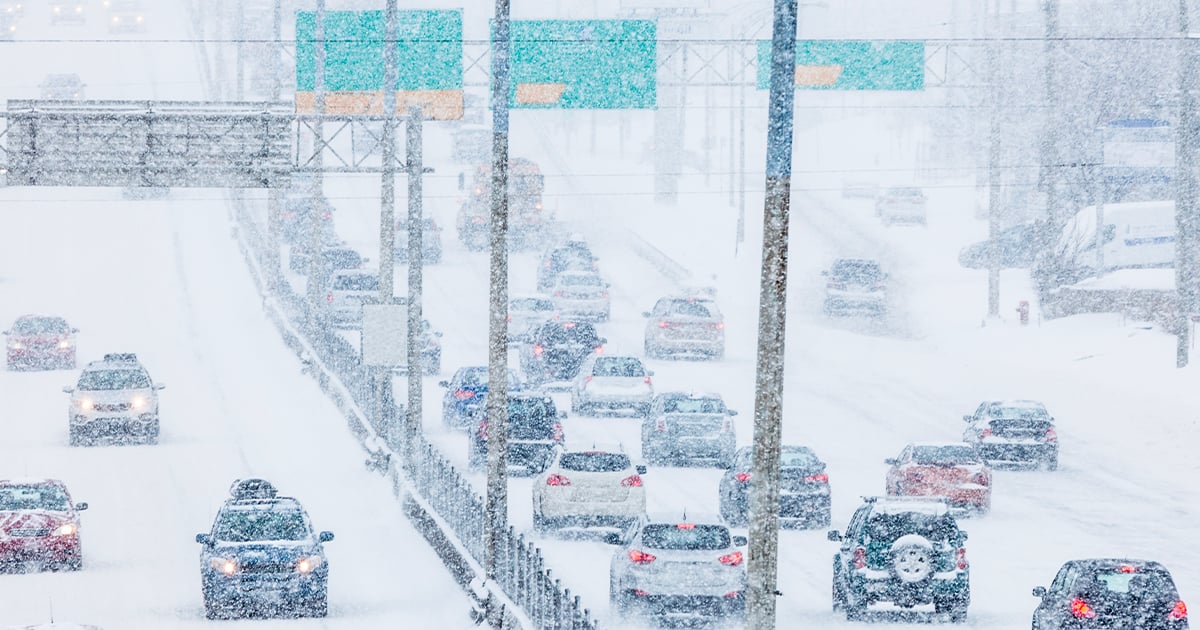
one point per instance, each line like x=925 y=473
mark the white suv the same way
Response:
x=115 y=399
x=589 y=488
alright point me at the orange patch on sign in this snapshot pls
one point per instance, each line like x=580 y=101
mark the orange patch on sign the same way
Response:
x=540 y=93
x=434 y=104
x=818 y=75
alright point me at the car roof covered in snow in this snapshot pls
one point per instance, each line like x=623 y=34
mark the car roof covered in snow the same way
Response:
x=684 y=516
x=902 y=505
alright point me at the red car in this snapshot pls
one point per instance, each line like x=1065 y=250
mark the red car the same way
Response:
x=950 y=470
x=42 y=342
x=39 y=523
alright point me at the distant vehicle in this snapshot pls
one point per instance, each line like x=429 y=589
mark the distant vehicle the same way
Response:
x=589 y=488
x=581 y=295
x=1110 y=593
x=679 y=568
x=907 y=552
x=296 y=217
x=528 y=222
x=526 y=311
x=336 y=258
x=804 y=488
x=612 y=383
x=1015 y=247
x=348 y=290
x=68 y=11
x=114 y=399
x=262 y=555
x=556 y=350
x=535 y=430
x=126 y=16
x=1013 y=432
x=431 y=241
x=465 y=393
x=954 y=471
x=684 y=324
x=430 y=345
x=56 y=625
x=901 y=205
x=41 y=342
x=684 y=427
x=855 y=284
x=12 y=8
x=569 y=256
x=39 y=522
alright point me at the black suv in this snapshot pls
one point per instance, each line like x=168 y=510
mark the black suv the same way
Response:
x=534 y=431
x=1110 y=593
x=555 y=350
x=907 y=551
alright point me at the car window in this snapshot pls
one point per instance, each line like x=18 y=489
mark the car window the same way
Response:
x=40 y=326
x=594 y=462
x=34 y=497
x=798 y=457
x=949 y=455
x=251 y=525
x=685 y=308
x=887 y=527
x=478 y=377
x=859 y=270
x=694 y=405
x=1002 y=411
x=1129 y=581
x=531 y=304
x=580 y=280
x=618 y=366
x=356 y=283
x=532 y=413
x=685 y=536
x=107 y=380
x=577 y=333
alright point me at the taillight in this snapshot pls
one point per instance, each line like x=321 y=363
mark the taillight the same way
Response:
x=731 y=559
x=558 y=294
x=604 y=294
x=599 y=349
x=860 y=557
x=640 y=557
x=538 y=350
x=647 y=380
x=660 y=424
x=986 y=433
x=663 y=324
x=719 y=326
x=960 y=559
x=980 y=479
x=482 y=430
x=326 y=215
x=1051 y=436
x=727 y=425
x=1081 y=610
x=1178 y=611
x=508 y=318
x=632 y=481
x=329 y=297
x=742 y=477
x=557 y=480
x=587 y=380
x=818 y=478
x=558 y=432
x=637 y=592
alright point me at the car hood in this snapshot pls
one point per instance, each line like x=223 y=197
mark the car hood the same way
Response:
x=109 y=396
x=274 y=551
x=32 y=519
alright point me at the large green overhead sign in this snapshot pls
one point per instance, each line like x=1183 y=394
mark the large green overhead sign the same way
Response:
x=429 y=58
x=824 y=64
x=583 y=64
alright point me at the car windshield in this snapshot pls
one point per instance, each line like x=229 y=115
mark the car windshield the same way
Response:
x=343 y=258
x=570 y=258
x=40 y=326
x=357 y=282
x=250 y=525
x=1128 y=580
x=694 y=405
x=102 y=380
x=1030 y=413
x=594 y=462
x=690 y=308
x=38 y=496
x=950 y=455
x=685 y=536
x=576 y=333
x=529 y=416
x=478 y=377
x=618 y=366
x=886 y=527
x=580 y=280
x=859 y=270
x=531 y=304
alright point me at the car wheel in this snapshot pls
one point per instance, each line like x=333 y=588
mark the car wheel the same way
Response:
x=618 y=602
x=855 y=610
x=839 y=597
x=318 y=607
x=212 y=610
x=76 y=439
x=956 y=607
x=1051 y=463
x=651 y=351
x=152 y=434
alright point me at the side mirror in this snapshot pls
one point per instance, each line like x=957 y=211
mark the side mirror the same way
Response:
x=160 y=386
x=964 y=535
x=640 y=468
x=443 y=383
x=68 y=390
x=562 y=414
x=891 y=461
x=5 y=332
x=81 y=506
x=649 y=372
x=613 y=538
x=603 y=340
x=204 y=539
x=74 y=330
x=1039 y=591
x=834 y=535
x=732 y=412
x=644 y=314
x=968 y=418
x=740 y=541
x=325 y=537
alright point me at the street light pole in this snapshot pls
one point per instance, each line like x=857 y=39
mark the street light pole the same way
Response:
x=1185 y=190
x=316 y=266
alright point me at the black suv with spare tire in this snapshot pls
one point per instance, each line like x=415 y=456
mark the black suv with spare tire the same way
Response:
x=905 y=551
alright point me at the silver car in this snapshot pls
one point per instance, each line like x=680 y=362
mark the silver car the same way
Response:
x=686 y=324
x=855 y=284
x=589 y=488
x=114 y=398
x=348 y=290
x=679 y=568
x=683 y=427
x=581 y=295
x=613 y=383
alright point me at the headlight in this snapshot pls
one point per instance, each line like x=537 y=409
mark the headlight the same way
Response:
x=227 y=566
x=87 y=404
x=309 y=564
x=138 y=403
x=64 y=344
x=66 y=530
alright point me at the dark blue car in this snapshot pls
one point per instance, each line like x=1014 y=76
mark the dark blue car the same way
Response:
x=464 y=395
x=263 y=557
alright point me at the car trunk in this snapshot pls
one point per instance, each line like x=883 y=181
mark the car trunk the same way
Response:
x=1020 y=430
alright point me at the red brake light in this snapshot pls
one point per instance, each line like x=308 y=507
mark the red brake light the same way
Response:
x=547 y=265
x=733 y=594
x=599 y=349
x=660 y=424
x=719 y=325
x=731 y=559
x=1051 y=435
x=483 y=430
x=508 y=318
x=633 y=481
x=640 y=557
x=558 y=432
x=987 y=432
x=647 y=380
x=960 y=559
x=605 y=294
x=329 y=297
x=464 y=394
x=557 y=480
x=685 y=526
x=663 y=324
x=326 y=215
x=587 y=380
x=558 y=294
x=742 y=477
x=637 y=592
x=1081 y=610
x=818 y=478
x=538 y=350
x=1127 y=568
x=860 y=557
x=1178 y=611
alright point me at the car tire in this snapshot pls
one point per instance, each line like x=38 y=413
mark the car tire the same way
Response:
x=541 y=524
x=649 y=349
x=1051 y=463
x=955 y=608
x=838 y=595
x=318 y=607
x=213 y=611
x=76 y=439
x=151 y=437
x=855 y=610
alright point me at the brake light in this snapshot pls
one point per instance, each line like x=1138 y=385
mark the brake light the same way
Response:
x=647 y=379
x=508 y=318
x=604 y=294
x=663 y=324
x=547 y=265
x=980 y=478
x=632 y=481
x=742 y=477
x=637 y=556
x=727 y=425
x=326 y=215
x=818 y=478
x=719 y=325
x=587 y=380
x=599 y=349
x=660 y=424
x=329 y=297
x=960 y=559
x=557 y=480
x=558 y=294
x=860 y=557
x=482 y=430
x=637 y=592
x=1051 y=435
x=987 y=432
x=731 y=559
x=1178 y=611
x=538 y=350
x=1127 y=568
x=464 y=394
x=686 y=526
x=558 y=432
x=733 y=594
x=1081 y=610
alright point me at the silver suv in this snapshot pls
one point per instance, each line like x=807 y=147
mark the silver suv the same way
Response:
x=684 y=324
x=679 y=569
x=683 y=427
x=115 y=399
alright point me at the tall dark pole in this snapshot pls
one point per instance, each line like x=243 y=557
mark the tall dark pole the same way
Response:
x=1050 y=132
x=384 y=411
x=1185 y=190
x=994 y=190
x=497 y=398
x=274 y=200
x=316 y=267
x=762 y=565
x=416 y=252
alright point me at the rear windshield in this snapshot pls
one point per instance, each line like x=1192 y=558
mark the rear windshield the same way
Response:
x=40 y=326
x=694 y=405
x=685 y=536
x=531 y=417
x=886 y=528
x=580 y=280
x=1002 y=411
x=34 y=497
x=863 y=270
x=618 y=366
x=578 y=333
x=594 y=462
x=343 y=258
x=799 y=457
x=1133 y=581
x=99 y=380
x=250 y=525
x=945 y=455
x=686 y=308
x=478 y=377
x=356 y=283
x=531 y=304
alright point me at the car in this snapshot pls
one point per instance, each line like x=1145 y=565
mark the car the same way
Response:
x=901 y=205
x=1014 y=432
x=40 y=342
x=297 y=214
x=804 y=491
x=684 y=427
x=431 y=241
x=905 y=551
x=853 y=285
x=953 y=470
x=589 y=488
x=464 y=394
x=571 y=255
x=613 y=383
x=115 y=398
x=262 y=554
x=557 y=349
x=68 y=11
x=1110 y=593
x=348 y=290
x=684 y=324
x=675 y=568
x=126 y=16
x=62 y=87
x=535 y=430
x=526 y=311
x=12 y=8
x=1014 y=247
x=581 y=295
x=39 y=523
x=336 y=258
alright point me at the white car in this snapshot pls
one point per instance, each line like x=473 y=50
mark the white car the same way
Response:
x=613 y=383
x=901 y=205
x=526 y=311
x=581 y=295
x=114 y=399
x=591 y=488
x=855 y=285
x=348 y=290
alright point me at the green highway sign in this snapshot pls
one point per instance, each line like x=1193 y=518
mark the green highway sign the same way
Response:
x=583 y=64
x=825 y=64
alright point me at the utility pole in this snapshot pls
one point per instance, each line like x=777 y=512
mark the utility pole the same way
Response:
x=416 y=261
x=762 y=565
x=274 y=195
x=496 y=517
x=316 y=266
x=1050 y=131
x=1185 y=191
x=994 y=186
x=384 y=413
